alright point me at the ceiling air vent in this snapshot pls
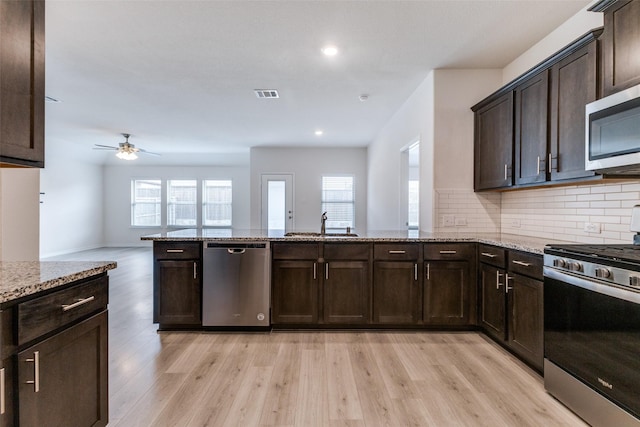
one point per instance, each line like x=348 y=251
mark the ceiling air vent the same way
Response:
x=266 y=93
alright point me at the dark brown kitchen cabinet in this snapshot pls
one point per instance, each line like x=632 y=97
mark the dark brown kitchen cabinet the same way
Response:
x=22 y=58
x=493 y=144
x=621 y=44
x=62 y=381
x=531 y=122
x=511 y=301
x=7 y=393
x=346 y=284
x=449 y=284
x=177 y=284
x=396 y=284
x=573 y=85
x=295 y=283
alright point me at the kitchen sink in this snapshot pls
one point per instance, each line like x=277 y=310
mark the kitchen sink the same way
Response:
x=315 y=234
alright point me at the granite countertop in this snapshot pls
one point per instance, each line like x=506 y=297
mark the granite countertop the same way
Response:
x=509 y=241
x=19 y=279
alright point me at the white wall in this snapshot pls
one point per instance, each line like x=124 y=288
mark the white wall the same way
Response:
x=413 y=121
x=308 y=165
x=19 y=214
x=72 y=210
x=117 y=197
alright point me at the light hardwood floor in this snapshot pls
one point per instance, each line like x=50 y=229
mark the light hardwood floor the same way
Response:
x=306 y=378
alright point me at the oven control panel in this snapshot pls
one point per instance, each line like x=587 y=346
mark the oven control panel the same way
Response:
x=596 y=271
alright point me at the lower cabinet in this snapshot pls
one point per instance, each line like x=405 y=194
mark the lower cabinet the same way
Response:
x=177 y=283
x=7 y=396
x=62 y=381
x=449 y=284
x=346 y=292
x=511 y=301
x=294 y=295
x=396 y=292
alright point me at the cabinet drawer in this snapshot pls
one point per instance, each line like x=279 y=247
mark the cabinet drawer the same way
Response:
x=395 y=251
x=492 y=255
x=177 y=250
x=449 y=251
x=350 y=251
x=50 y=312
x=527 y=264
x=295 y=251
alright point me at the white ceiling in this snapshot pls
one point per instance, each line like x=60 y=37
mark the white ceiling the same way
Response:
x=179 y=75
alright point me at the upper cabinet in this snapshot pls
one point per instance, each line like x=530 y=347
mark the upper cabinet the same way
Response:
x=620 y=44
x=22 y=82
x=531 y=131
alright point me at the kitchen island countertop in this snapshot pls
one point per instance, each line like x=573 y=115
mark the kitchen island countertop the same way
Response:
x=20 y=279
x=509 y=241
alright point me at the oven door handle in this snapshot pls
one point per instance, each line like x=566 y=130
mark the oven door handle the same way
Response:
x=592 y=285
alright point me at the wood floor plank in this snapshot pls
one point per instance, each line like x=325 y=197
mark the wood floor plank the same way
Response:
x=343 y=400
x=313 y=408
x=281 y=402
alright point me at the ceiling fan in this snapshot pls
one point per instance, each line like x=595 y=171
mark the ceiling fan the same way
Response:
x=125 y=150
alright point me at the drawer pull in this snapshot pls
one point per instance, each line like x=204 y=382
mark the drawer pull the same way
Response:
x=2 y=395
x=488 y=254
x=78 y=303
x=397 y=252
x=522 y=263
x=448 y=252
x=175 y=251
x=36 y=371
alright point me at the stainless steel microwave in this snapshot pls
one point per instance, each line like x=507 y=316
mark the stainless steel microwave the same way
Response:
x=613 y=133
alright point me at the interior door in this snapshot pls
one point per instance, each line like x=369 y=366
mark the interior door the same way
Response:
x=277 y=202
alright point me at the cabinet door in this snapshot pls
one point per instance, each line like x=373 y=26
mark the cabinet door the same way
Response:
x=621 y=44
x=177 y=296
x=531 y=129
x=525 y=299
x=573 y=85
x=22 y=82
x=6 y=393
x=294 y=297
x=346 y=292
x=492 y=301
x=446 y=292
x=63 y=380
x=494 y=144
x=395 y=292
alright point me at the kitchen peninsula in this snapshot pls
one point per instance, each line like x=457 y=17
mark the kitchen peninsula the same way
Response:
x=377 y=279
x=53 y=343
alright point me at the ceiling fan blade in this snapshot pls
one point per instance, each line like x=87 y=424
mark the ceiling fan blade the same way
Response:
x=104 y=147
x=148 y=152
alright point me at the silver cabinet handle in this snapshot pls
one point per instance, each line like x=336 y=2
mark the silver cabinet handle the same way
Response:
x=315 y=267
x=498 y=276
x=195 y=270
x=397 y=252
x=2 y=395
x=326 y=271
x=448 y=252
x=549 y=164
x=415 y=272
x=78 y=303
x=522 y=263
x=538 y=167
x=175 y=251
x=428 y=271
x=507 y=288
x=505 y=171
x=36 y=371
x=488 y=254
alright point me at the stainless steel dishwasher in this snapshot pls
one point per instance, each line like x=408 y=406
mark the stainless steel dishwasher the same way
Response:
x=236 y=284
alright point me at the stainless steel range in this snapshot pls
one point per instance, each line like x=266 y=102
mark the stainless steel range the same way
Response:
x=592 y=331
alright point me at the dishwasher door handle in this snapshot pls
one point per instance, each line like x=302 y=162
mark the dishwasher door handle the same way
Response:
x=236 y=251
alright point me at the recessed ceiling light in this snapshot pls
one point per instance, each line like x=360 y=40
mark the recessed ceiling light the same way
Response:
x=330 y=50
x=318 y=132
x=363 y=97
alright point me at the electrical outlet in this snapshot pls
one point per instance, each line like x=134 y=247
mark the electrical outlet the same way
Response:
x=515 y=223
x=461 y=222
x=448 y=220
x=592 y=227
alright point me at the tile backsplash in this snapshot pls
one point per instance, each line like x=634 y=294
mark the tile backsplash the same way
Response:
x=583 y=213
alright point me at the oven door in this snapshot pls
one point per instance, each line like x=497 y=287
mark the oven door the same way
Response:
x=592 y=331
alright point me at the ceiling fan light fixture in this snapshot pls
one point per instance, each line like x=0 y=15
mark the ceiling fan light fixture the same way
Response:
x=126 y=155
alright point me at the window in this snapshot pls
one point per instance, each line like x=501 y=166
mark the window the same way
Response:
x=182 y=202
x=216 y=203
x=146 y=195
x=338 y=201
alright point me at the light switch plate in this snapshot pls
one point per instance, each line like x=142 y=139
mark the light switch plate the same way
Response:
x=592 y=227
x=448 y=220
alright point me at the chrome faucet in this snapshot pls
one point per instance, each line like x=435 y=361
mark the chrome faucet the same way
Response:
x=323 y=220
